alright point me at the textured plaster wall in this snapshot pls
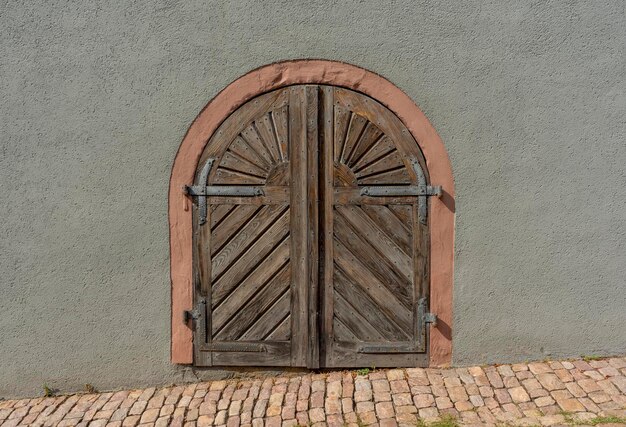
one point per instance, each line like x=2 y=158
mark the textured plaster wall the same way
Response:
x=529 y=98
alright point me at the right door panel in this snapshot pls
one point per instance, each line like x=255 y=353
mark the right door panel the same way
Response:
x=374 y=243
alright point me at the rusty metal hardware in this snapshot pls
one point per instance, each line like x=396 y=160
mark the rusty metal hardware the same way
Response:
x=400 y=190
x=234 y=347
x=202 y=191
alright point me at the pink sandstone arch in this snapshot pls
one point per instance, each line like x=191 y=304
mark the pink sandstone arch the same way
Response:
x=277 y=75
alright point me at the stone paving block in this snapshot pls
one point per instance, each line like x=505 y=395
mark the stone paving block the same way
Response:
x=428 y=414
x=539 y=368
x=494 y=378
x=502 y=396
x=550 y=381
x=382 y=397
x=510 y=382
x=540 y=392
x=423 y=400
x=399 y=386
x=443 y=403
x=522 y=375
x=477 y=400
x=363 y=407
x=620 y=383
x=519 y=394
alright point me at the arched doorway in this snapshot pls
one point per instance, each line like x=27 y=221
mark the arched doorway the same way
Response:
x=310 y=242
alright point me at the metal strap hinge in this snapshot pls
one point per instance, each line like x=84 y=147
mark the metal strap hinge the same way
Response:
x=203 y=191
x=423 y=314
x=431 y=318
x=195 y=313
x=189 y=315
x=223 y=190
x=401 y=190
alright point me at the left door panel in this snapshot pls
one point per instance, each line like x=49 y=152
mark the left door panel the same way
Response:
x=250 y=291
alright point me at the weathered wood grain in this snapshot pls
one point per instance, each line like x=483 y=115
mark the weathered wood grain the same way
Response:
x=299 y=223
x=312 y=273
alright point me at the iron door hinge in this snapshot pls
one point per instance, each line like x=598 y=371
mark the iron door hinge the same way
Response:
x=194 y=314
x=189 y=315
x=424 y=315
x=202 y=190
x=431 y=318
x=401 y=190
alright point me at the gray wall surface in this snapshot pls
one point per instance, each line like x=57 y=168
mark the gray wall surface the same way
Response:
x=528 y=96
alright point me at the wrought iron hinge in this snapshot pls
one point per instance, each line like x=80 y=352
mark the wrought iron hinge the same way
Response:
x=431 y=318
x=424 y=315
x=189 y=315
x=401 y=190
x=202 y=191
x=421 y=182
x=194 y=314
x=421 y=190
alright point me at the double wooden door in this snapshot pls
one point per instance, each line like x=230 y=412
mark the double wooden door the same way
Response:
x=310 y=241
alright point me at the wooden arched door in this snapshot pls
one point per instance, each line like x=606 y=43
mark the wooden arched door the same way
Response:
x=311 y=235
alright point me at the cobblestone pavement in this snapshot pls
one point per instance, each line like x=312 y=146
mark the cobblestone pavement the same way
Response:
x=573 y=392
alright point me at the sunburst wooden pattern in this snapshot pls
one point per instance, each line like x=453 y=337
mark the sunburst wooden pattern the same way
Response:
x=259 y=154
x=366 y=151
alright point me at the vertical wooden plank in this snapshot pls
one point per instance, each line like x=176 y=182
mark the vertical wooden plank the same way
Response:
x=326 y=223
x=202 y=282
x=313 y=220
x=299 y=224
x=422 y=272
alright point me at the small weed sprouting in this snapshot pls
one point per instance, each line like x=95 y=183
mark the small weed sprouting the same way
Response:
x=363 y=371
x=445 y=421
x=605 y=420
x=570 y=420
x=47 y=391
x=591 y=357
x=90 y=389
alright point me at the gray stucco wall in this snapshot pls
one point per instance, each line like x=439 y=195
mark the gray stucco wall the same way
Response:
x=528 y=97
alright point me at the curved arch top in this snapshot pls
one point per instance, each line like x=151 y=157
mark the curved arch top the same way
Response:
x=275 y=76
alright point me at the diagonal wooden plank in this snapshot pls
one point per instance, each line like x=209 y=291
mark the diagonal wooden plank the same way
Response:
x=251 y=258
x=226 y=305
x=390 y=252
x=380 y=317
x=391 y=225
x=219 y=212
x=342 y=333
x=241 y=239
x=263 y=327
x=355 y=243
x=389 y=303
x=282 y=332
x=358 y=324
x=403 y=212
x=226 y=229
x=265 y=296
